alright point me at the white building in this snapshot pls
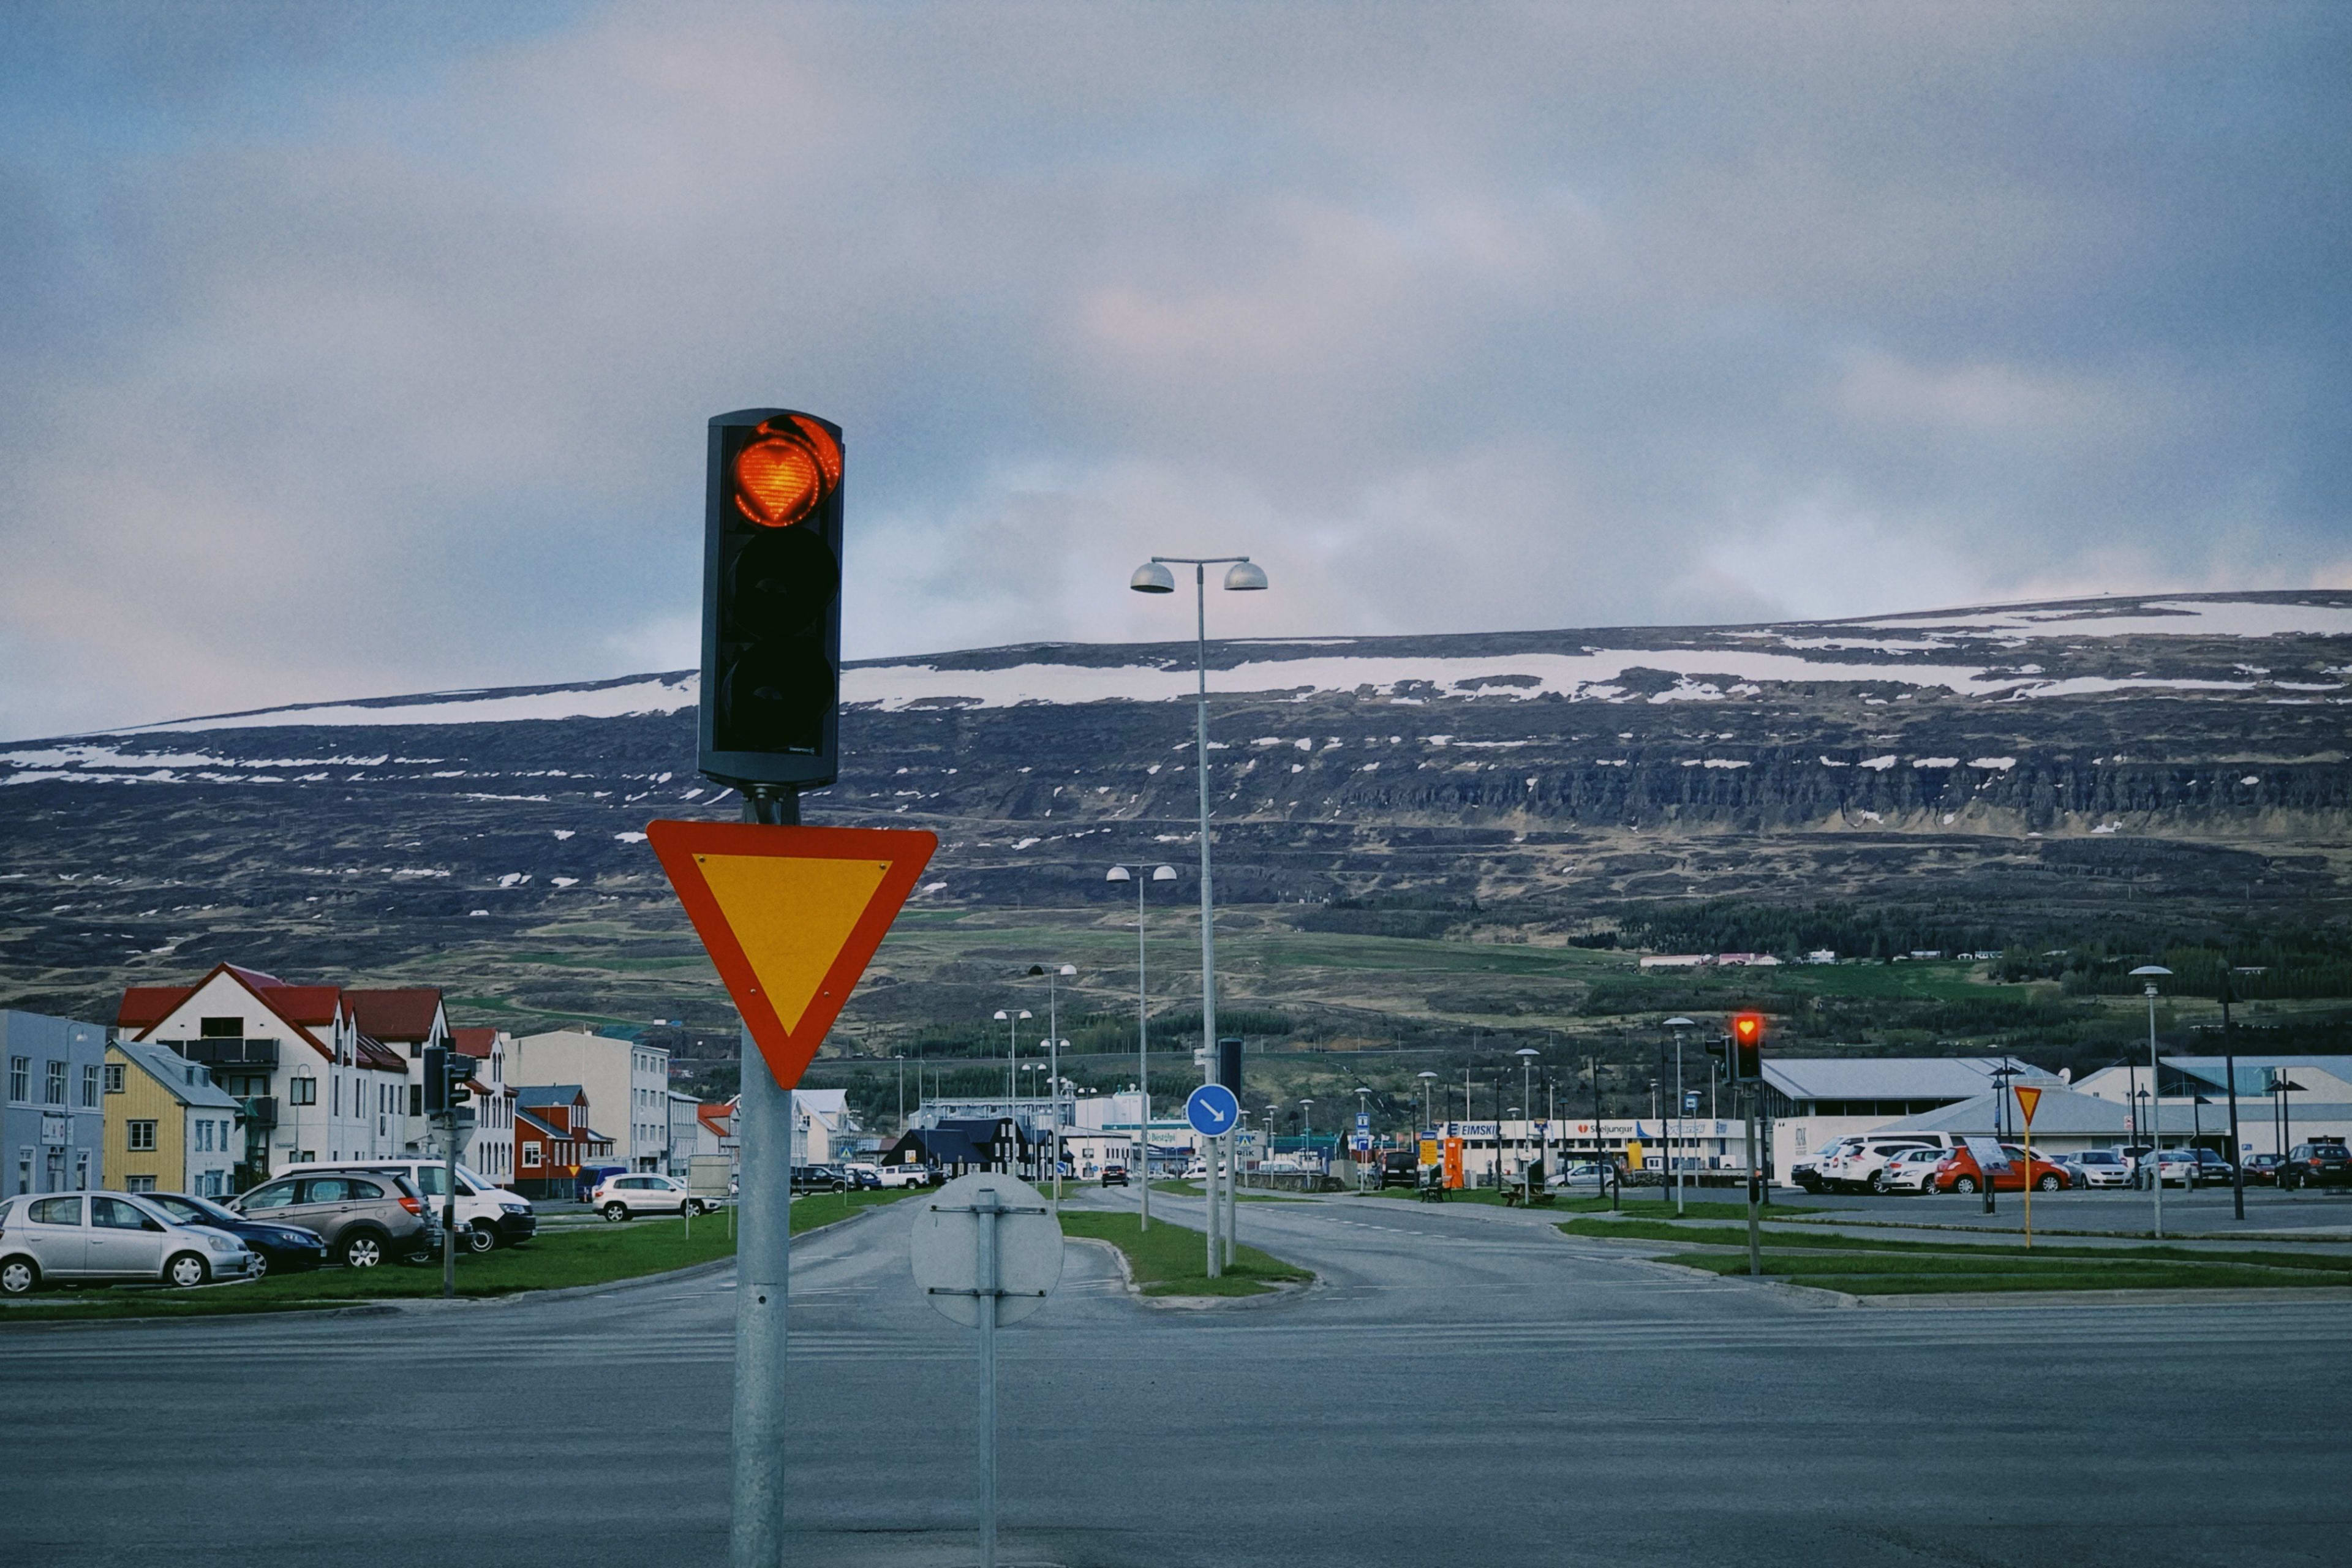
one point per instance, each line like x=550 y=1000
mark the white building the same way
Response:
x=489 y=1148
x=822 y=1125
x=406 y=1022
x=627 y=1085
x=1813 y=1101
x=312 y=1086
x=2282 y=1099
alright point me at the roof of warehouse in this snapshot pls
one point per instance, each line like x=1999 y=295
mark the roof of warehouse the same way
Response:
x=2061 y=1112
x=1887 y=1078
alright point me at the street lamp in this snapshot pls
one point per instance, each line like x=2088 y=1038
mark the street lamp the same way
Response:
x=1527 y=1055
x=1054 y=1042
x=1305 y=1132
x=1142 y=1025
x=1428 y=1115
x=1012 y=1022
x=1677 y=1025
x=2149 y=971
x=1241 y=576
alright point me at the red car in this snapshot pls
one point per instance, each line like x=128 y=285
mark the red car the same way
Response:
x=1958 y=1172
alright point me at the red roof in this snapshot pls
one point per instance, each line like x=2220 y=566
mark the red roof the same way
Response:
x=381 y=1056
x=716 y=1115
x=303 y=1004
x=144 y=1006
x=474 y=1042
x=402 y=1015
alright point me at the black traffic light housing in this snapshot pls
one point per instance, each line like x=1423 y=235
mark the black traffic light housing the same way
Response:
x=446 y=1072
x=1229 y=1063
x=1747 y=1047
x=770 y=719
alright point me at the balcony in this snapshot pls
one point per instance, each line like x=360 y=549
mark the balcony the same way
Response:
x=219 y=1051
x=260 y=1113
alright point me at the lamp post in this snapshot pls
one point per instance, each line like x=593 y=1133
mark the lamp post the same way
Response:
x=1677 y=1025
x=2000 y=1076
x=2229 y=1069
x=1305 y=1132
x=1012 y=1022
x=1527 y=1055
x=1242 y=575
x=1142 y=1026
x=2149 y=971
x=1428 y=1114
x=1054 y=1042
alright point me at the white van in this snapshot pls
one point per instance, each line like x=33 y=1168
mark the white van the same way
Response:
x=488 y=1215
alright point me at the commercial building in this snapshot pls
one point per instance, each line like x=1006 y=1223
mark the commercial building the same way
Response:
x=169 y=1127
x=1811 y=1101
x=625 y=1081
x=2282 y=1099
x=51 y=1119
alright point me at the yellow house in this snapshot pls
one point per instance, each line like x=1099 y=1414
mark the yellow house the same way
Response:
x=169 y=1127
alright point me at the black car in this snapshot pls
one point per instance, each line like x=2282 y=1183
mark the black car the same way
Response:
x=819 y=1179
x=2261 y=1170
x=2212 y=1170
x=1114 y=1175
x=276 y=1248
x=2319 y=1163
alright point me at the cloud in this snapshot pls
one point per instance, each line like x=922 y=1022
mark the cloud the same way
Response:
x=369 y=360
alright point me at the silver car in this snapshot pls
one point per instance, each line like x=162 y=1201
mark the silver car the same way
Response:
x=102 y=1237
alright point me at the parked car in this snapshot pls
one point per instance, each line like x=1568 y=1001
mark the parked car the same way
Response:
x=2262 y=1170
x=2212 y=1170
x=1864 y=1168
x=1958 y=1172
x=2100 y=1168
x=2173 y=1167
x=636 y=1196
x=819 y=1179
x=365 y=1217
x=1196 y=1172
x=2322 y=1162
x=1584 y=1173
x=1114 y=1175
x=1808 y=1174
x=863 y=1175
x=488 y=1215
x=109 y=1238
x=1912 y=1171
x=913 y=1175
x=285 y=1248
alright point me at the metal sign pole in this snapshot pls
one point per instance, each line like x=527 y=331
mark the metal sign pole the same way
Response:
x=449 y=1210
x=989 y=1208
x=1755 y=1191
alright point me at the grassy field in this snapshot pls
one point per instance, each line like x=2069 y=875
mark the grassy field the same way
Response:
x=1866 y=1266
x=1169 y=1261
x=555 y=1259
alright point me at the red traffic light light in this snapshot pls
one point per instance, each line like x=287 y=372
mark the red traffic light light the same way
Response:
x=1747 y=1028
x=785 y=471
x=1747 y=1046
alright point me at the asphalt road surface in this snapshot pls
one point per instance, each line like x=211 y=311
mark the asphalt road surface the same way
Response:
x=1464 y=1386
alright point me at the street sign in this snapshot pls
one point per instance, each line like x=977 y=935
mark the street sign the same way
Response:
x=2027 y=1099
x=949 y=1259
x=1213 y=1110
x=790 y=917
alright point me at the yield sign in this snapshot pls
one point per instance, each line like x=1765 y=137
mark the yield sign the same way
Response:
x=791 y=916
x=2027 y=1099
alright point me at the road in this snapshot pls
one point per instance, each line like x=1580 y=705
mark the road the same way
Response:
x=1464 y=1386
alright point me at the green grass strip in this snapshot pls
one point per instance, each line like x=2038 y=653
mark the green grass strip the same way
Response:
x=1786 y=1240
x=1173 y=1260
x=1858 y=1277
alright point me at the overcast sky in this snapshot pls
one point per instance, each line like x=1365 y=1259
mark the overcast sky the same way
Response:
x=349 y=350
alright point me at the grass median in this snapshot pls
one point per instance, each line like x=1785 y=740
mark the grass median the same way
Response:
x=557 y=1258
x=1171 y=1261
x=1866 y=1266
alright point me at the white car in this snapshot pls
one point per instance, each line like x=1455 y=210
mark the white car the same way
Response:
x=104 y=1237
x=1865 y=1166
x=903 y=1175
x=626 y=1197
x=1910 y=1171
x=2099 y=1168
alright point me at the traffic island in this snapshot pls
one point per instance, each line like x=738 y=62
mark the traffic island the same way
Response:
x=555 y=1259
x=1169 y=1260
x=1868 y=1267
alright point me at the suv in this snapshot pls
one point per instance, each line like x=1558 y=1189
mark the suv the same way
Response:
x=488 y=1215
x=2322 y=1162
x=365 y=1217
x=100 y=1237
x=1114 y=1175
x=819 y=1179
x=626 y=1197
x=1865 y=1167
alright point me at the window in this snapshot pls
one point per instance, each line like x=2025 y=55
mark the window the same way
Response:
x=53 y=1084
x=204 y=1136
x=335 y=1092
x=301 y=1090
x=213 y=1186
x=140 y=1184
x=220 y=1029
x=113 y=1214
x=90 y=1086
x=81 y=1170
x=416 y=1100
x=20 y=1077
x=114 y=1078
x=55 y=1211
x=140 y=1134
x=529 y=1157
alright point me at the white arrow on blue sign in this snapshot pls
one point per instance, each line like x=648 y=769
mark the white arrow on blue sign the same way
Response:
x=1213 y=1110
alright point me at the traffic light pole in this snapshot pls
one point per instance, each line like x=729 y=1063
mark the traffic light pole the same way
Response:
x=763 y=1129
x=449 y=1208
x=1755 y=1191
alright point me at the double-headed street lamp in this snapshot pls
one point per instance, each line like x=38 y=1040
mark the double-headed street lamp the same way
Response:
x=1137 y=875
x=1527 y=1055
x=1012 y=1022
x=1428 y=1112
x=1054 y=1044
x=2149 y=971
x=1678 y=1025
x=1242 y=575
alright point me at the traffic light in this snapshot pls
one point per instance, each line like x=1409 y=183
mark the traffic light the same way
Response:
x=1747 y=1047
x=772 y=601
x=446 y=1072
x=1229 y=1063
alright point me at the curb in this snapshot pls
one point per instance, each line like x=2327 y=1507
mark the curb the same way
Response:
x=1275 y=1292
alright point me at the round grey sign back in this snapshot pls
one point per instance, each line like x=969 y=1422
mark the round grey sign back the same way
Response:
x=946 y=1247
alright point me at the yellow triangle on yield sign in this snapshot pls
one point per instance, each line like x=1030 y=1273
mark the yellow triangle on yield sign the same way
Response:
x=790 y=917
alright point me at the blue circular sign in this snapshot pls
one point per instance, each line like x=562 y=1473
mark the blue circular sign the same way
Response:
x=1213 y=1111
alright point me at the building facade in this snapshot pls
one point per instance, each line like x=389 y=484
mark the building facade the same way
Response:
x=488 y=1150
x=626 y=1081
x=52 y=1113
x=169 y=1127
